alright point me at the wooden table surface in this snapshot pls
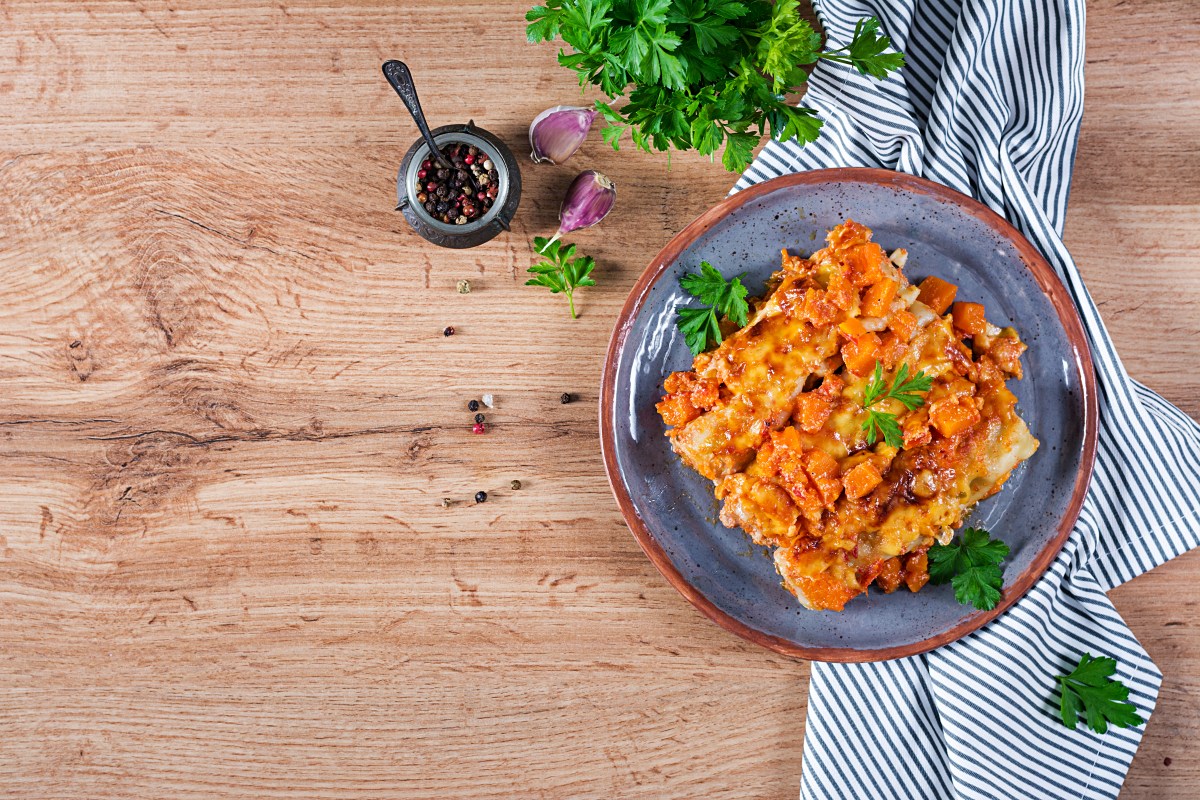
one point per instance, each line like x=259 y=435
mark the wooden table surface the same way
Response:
x=228 y=416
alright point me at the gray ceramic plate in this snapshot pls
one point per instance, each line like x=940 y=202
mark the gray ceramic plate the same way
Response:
x=671 y=509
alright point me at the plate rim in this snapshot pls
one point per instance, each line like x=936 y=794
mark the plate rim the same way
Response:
x=1047 y=280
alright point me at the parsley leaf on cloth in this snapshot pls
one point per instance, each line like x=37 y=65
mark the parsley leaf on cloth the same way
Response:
x=971 y=564
x=723 y=298
x=1090 y=688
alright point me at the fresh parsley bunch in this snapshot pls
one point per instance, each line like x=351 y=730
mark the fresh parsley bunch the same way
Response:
x=701 y=73
x=723 y=298
x=558 y=271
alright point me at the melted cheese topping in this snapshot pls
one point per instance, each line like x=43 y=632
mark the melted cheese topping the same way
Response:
x=775 y=418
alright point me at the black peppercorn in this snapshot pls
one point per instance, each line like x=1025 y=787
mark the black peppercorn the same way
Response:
x=448 y=331
x=473 y=405
x=515 y=485
x=479 y=418
x=480 y=497
x=564 y=398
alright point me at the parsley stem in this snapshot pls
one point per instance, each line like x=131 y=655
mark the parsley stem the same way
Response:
x=571 y=302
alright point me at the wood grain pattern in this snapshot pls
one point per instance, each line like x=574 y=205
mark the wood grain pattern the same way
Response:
x=229 y=415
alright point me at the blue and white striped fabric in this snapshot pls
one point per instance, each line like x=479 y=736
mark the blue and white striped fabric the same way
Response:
x=989 y=104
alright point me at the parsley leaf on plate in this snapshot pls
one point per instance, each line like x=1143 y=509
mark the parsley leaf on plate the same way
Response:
x=971 y=564
x=903 y=390
x=699 y=325
x=1090 y=688
x=724 y=298
x=559 y=272
x=881 y=423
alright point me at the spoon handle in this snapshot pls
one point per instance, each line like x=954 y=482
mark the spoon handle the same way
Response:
x=399 y=76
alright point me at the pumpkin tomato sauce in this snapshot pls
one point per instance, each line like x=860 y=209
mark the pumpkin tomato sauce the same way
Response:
x=774 y=416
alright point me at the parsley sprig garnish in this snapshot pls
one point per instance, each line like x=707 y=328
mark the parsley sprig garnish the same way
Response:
x=971 y=564
x=725 y=298
x=903 y=389
x=559 y=272
x=1090 y=688
x=701 y=73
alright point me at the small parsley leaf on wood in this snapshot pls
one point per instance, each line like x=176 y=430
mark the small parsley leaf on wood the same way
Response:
x=1089 y=688
x=723 y=298
x=971 y=564
x=559 y=271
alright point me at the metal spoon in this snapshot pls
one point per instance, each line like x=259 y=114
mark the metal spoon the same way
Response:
x=400 y=78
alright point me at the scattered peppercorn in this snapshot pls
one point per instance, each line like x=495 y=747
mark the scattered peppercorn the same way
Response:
x=464 y=287
x=479 y=418
x=445 y=502
x=473 y=405
x=480 y=497
x=477 y=428
x=462 y=194
x=564 y=398
x=448 y=331
x=515 y=485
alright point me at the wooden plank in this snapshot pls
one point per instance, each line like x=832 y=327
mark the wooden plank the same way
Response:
x=230 y=415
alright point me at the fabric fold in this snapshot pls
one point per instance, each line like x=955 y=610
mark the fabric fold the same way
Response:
x=990 y=104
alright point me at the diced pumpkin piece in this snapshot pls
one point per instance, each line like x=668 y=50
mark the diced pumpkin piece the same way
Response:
x=904 y=324
x=861 y=480
x=916 y=571
x=831 y=387
x=968 y=318
x=1006 y=349
x=916 y=430
x=953 y=416
x=825 y=474
x=784 y=458
x=889 y=576
x=677 y=409
x=688 y=395
x=937 y=294
x=812 y=410
x=878 y=299
x=852 y=328
x=818 y=309
x=859 y=354
x=864 y=264
x=891 y=349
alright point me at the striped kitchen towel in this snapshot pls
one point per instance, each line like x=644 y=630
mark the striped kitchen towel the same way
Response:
x=989 y=104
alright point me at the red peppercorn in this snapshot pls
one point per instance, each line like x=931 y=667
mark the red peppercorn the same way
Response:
x=421 y=174
x=426 y=164
x=469 y=159
x=481 y=195
x=477 y=427
x=431 y=187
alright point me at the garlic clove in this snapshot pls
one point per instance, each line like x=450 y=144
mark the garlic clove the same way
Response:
x=556 y=133
x=589 y=199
